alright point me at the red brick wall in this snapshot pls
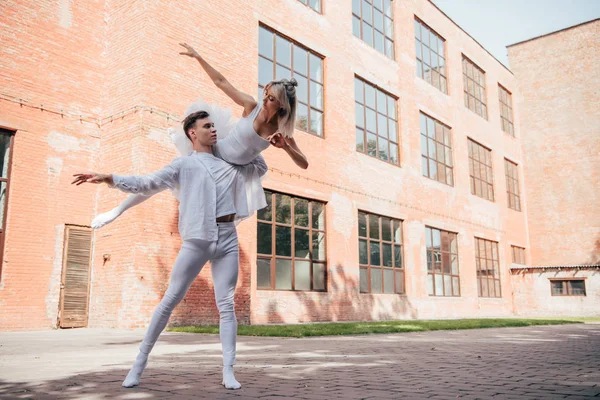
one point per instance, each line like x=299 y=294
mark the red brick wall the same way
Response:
x=558 y=84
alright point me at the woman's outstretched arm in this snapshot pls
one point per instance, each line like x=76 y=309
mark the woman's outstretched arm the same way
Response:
x=240 y=98
x=289 y=145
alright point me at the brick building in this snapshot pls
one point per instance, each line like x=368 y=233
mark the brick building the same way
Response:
x=412 y=206
x=558 y=86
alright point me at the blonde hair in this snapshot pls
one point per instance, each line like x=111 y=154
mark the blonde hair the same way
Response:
x=285 y=92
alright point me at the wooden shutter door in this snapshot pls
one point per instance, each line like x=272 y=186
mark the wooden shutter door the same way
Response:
x=75 y=282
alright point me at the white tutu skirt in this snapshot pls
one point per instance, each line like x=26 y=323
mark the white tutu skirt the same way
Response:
x=226 y=150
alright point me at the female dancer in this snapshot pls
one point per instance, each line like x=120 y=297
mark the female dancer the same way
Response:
x=268 y=122
x=212 y=193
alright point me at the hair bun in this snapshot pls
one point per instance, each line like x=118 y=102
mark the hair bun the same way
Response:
x=293 y=82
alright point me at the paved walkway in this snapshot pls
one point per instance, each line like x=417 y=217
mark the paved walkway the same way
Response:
x=551 y=362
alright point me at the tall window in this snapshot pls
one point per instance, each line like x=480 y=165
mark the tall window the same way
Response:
x=380 y=254
x=280 y=58
x=475 y=93
x=480 y=171
x=6 y=142
x=488 y=268
x=373 y=22
x=568 y=287
x=431 y=60
x=291 y=244
x=376 y=122
x=518 y=255
x=512 y=185
x=314 y=4
x=506 y=112
x=436 y=150
x=442 y=263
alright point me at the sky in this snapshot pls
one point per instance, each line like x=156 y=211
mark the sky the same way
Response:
x=498 y=23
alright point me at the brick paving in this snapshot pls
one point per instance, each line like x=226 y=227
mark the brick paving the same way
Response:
x=552 y=362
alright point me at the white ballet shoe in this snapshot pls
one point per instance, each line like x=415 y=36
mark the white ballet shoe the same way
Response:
x=134 y=375
x=105 y=218
x=229 y=380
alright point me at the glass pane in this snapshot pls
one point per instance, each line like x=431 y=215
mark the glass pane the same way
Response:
x=302 y=88
x=356 y=7
x=362 y=224
x=391 y=107
x=373 y=227
x=387 y=254
x=283 y=241
x=484 y=287
x=455 y=286
x=381 y=102
x=264 y=238
x=392 y=128
x=498 y=292
x=430 y=290
x=436 y=235
x=439 y=285
x=577 y=287
x=302 y=117
x=283 y=209
x=363 y=252
x=265 y=42
x=370 y=96
x=393 y=153
x=400 y=282
x=557 y=287
x=375 y=254
x=378 y=21
x=389 y=48
x=360 y=140
x=367 y=12
x=376 y=280
x=282 y=72
x=318 y=243
x=301 y=275
x=448 y=285
x=454 y=265
x=383 y=149
x=316 y=95
x=300 y=61
x=379 y=42
x=283 y=53
x=318 y=216
x=315 y=4
x=318 y=276
x=283 y=274
x=367 y=32
x=364 y=280
x=358 y=91
x=359 y=112
x=265 y=213
x=316 y=68
x=263 y=273
x=371 y=121
x=382 y=125
x=386 y=229
x=429 y=261
x=265 y=71
x=316 y=122
x=301 y=212
x=301 y=243
x=387 y=7
x=371 y=144
x=389 y=27
x=388 y=281
x=397 y=231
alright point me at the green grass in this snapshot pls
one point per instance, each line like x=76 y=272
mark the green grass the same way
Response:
x=359 y=328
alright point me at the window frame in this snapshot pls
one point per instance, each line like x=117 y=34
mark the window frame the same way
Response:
x=310 y=107
x=11 y=134
x=512 y=182
x=366 y=131
x=362 y=22
x=468 y=64
x=567 y=286
x=489 y=169
x=398 y=288
x=517 y=252
x=312 y=232
x=504 y=121
x=446 y=133
x=496 y=279
x=307 y=4
x=421 y=62
x=450 y=254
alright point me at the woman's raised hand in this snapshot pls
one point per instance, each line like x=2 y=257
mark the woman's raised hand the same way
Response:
x=190 y=51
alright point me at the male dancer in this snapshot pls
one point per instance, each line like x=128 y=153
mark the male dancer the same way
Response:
x=211 y=193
